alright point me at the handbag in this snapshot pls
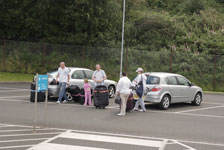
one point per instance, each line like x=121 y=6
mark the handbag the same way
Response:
x=140 y=90
x=117 y=100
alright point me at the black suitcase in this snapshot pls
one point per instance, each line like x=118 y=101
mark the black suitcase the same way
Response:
x=74 y=90
x=130 y=103
x=82 y=96
x=101 y=96
x=40 y=95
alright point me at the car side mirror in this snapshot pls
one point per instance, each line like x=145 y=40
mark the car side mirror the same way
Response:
x=189 y=84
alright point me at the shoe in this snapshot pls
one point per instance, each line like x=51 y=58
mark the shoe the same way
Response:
x=140 y=110
x=65 y=101
x=58 y=102
x=120 y=114
x=84 y=104
x=135 y=109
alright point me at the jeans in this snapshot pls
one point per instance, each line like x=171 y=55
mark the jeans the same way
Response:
x=140 y=102
x=62 y=93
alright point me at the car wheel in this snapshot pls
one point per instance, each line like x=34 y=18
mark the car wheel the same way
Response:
x=197 y=99
x=165 y=102
x=111 y=90
x=69 y=96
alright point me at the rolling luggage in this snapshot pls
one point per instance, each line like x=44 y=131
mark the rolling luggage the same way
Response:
x=130 y=103
x=40 y=95
x=74 y=90
x=101 y=96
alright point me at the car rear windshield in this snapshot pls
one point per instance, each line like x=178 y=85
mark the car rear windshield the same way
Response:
x=152 y=80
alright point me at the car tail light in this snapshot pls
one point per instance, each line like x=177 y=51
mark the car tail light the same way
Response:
x=156 y=89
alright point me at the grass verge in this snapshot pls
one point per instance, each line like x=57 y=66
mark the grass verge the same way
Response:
x=15 y=77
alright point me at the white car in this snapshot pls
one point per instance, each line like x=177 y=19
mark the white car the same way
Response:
x=77 y=78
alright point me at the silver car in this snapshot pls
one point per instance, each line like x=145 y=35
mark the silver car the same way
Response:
x=167 y=88
x=77 y=78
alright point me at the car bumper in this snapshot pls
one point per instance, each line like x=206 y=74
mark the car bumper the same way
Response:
x=53 y=90
x=152 y=99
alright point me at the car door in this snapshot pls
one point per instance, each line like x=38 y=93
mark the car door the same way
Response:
x=172 y=85
x=186 y=91
x=77 y=78
x=88 y=75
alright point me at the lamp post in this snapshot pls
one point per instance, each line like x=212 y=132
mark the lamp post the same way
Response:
x=122 y=39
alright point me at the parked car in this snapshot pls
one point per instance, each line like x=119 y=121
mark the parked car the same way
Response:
x=77 y=78
x=167 y=88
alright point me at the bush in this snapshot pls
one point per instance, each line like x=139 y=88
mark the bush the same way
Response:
x=193 y=6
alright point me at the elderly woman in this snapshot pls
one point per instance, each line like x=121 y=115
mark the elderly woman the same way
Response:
x=140 y=81
x=123 y=90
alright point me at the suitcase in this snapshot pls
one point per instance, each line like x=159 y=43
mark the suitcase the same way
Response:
x=40 y=95
x=101 y=96
x=82 y=96
x=130 y=103
x=74 y=90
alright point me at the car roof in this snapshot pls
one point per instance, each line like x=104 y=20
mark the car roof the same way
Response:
x=78 y=68
x=162 y=74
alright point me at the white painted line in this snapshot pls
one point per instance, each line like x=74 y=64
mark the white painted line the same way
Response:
x=21 y=140
x=7 y=88
x=14 y=96
x=21 y=130
x=51 y=146
x=164 y=144
x=47 y=141
x=50 y=133
x=11 y=147
x=130 y=136
x=11 y=100
x=112 y=107
x=188 y=147
x=201 y=115
x=14 y=90
x=200 y=109
x=3 y=126
x=111 y=139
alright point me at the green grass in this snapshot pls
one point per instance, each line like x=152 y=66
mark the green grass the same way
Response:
x=13 y=77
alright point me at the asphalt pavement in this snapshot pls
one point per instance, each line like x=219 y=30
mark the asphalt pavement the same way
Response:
x=73 y=126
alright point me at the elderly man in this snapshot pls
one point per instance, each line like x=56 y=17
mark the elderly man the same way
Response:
x=99 y=76
x=63 y=76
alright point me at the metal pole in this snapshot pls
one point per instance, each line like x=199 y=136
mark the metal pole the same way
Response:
x=3 y=55
x=35 y=105
x=122 y=38
x=45 y=111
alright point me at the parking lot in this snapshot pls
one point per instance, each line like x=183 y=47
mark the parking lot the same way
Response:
x=72 y=126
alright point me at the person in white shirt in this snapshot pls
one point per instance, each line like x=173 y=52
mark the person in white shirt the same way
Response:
x=123 y=90
x=99 y=76
x=63 y=76
x=140 y=78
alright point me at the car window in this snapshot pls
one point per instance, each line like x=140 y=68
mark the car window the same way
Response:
x=88 y=74
x=182 y=81
x=171 y=80
x=152 y=80
x=78 y=74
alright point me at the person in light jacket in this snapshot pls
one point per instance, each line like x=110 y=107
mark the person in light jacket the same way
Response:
x=123 y=90
x=140 y=77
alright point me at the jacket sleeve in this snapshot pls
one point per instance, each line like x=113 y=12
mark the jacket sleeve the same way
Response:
x=119 y=85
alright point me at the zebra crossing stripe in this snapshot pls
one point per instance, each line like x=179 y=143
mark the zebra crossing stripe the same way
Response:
x=53 y=146
x=112 y=139
x=95 y=138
